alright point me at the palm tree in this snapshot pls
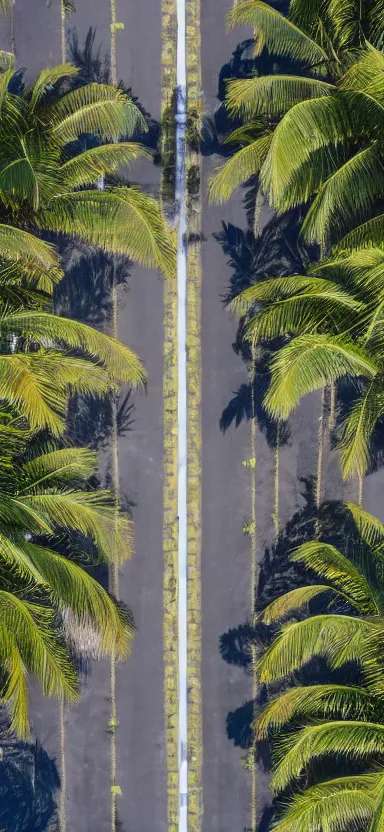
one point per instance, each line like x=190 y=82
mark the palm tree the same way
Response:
x=45 y=187
x=47 y=500
x=332 y=318
x=313 y=135
x=340 y=720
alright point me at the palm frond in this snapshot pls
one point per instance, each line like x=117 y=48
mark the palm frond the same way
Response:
x=344 y=576
x=370 y=529
x=57 y=467
x=87 y=168
x=276 y=34
x=271 y=95
x=121 y=220
x=26 y=384
x=277 y=288
x=346 y=803
x=370 y=233
x=336 y=638
x=357 y=430
x=292 y=601
x=345 y=195
x=310 y=126
x=20 y=246
x=50 y=330
x=368 y=66
x=30 y=628
x=359 y=741
x=309 y=363
x=378 y=819
x=94 y=514
x=238 y=169
x=72 y=586
x=98 y=109
x=47 y=79
x=313 y=701
x=307 y=311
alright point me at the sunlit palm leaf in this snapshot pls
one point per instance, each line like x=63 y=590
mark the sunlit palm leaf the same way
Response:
x=345 y=196
x=71 y=585
x=121 y=362
x=336 y=638
x=271 y=94
x=357 y=430
x=97 y=109
x=86 y=168
x=344 y=576
x=370 y=233
x=91 y=513
x=310 y=362
x=243 y=164
x=359 y=741
x=26 y=384
x=293 y=601
x=275 y=33
x=20 y=246
x=122 y=220
x=313 y=701
x=342 y=804
x=47 y=79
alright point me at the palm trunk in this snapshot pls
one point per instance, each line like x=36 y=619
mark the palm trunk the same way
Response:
x=113 y=68
x=332 y=406
x=276 y=508
x=63 y=770
x=320 y=456
x=257 y=215
x=62 y=33
x=360 y=495
x=12 y=30
x=253 y=577
x=114 y=572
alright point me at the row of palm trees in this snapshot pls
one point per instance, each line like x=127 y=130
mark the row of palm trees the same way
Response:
x=58 y=138
x=312 y=134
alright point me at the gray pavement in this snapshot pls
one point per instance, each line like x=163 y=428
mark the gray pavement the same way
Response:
x=225 y=484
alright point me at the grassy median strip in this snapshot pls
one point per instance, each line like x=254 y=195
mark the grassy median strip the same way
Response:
x=170 y=526
x=193 y=161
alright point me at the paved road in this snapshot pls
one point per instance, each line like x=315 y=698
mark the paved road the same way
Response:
x=225 y=485
x=140 y=736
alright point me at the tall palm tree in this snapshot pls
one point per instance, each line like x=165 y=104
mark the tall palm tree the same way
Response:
x=332 y=318
x=46 y=494
x=340 y=720
x=313 y=135
x=47 y=185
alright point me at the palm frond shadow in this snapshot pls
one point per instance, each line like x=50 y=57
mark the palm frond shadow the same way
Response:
x=29 y=781
x=94 y=66
x=277 y=575
x=275 y=253
x=241 y=64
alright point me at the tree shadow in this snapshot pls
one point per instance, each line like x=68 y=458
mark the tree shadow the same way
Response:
x=276 y=252
x=94 y=66
x=28 y=782
x=278 y=575
x=241 y=64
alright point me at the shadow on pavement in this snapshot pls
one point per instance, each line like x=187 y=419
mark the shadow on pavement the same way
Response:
x=28 y=782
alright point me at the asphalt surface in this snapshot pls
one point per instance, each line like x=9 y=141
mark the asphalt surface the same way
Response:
x=141 y=770
x=225 y=485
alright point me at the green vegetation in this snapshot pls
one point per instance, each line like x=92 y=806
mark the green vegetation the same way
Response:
x=56 y=141
x=330 y=720
x=310 y=128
